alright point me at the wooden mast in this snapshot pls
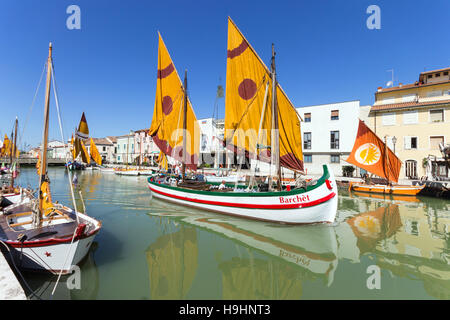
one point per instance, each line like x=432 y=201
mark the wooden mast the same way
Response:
x=386 y=169
x=183 y=164
x=14 y=152
x=43 y=171
x=276 y=133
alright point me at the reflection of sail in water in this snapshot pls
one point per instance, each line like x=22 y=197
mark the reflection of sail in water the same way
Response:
x=311 y=253
x=244 y=278
x=409 y=243
x=172 y=262
x=372 y=226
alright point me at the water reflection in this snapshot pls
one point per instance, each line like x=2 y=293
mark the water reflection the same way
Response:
x=292 y=254
x=410 y=239
x=172 y=263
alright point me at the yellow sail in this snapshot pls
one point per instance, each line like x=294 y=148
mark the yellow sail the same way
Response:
x=248 y=94
x=83 y=130
x=167 y=123
x=95 y=155
x=84 y=154
x=74 y=149
x=162 y=161
x=6 y=148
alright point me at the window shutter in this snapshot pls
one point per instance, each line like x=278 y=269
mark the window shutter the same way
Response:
x=410 y=117
x=407 y=143
x=388 y=119
x=436 y=115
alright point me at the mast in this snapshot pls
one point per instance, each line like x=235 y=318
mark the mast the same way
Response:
x=386 y=170
x=183 y=164
x=43 y=173
x=14 y=152
x=276 y=134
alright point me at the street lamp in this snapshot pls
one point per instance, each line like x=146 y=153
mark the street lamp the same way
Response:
x=394 y=141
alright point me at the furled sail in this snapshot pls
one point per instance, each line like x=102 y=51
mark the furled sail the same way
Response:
x=95 y=155
x=167 y=123
x=370 y=153
x=248 y=95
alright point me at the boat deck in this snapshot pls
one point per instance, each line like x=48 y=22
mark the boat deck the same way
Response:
x=16 y=222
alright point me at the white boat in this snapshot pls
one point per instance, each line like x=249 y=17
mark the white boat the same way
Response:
x=44 y=235
x=127 y=172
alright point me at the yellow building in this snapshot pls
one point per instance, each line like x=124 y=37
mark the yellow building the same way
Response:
x=415 y=119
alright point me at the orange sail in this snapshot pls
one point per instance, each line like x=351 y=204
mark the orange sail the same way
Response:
x=167 y=123
x=371 y=153
x=248 y=112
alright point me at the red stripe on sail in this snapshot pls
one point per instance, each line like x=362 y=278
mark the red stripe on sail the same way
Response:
x=163 y=73
x=238 y=50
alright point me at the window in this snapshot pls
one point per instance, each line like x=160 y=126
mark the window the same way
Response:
x=104 y=148
x=307 y=158
x=307 y=140
x=409 y=97
x=335 y=158
x=388 y=119
x=334 y=139
x=307 y=117
x=446 y=73
x=410 y=143
x=118 y=158
x=410 y=117
x=446 y=93
x=411 y=169
x=437 y=115
x=436 y=93
x=437 y=75
x=430 y=76
x=435 y=141
x=334 y=114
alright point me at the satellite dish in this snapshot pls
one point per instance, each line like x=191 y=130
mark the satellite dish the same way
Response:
x=389 y=84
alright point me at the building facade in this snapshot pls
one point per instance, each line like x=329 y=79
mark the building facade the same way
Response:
x=125 y=150
x=105 y=147
x=328 y=134
x=415 y=119
x=146 y=150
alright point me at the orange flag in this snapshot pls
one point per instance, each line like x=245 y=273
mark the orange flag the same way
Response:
x=370 y=153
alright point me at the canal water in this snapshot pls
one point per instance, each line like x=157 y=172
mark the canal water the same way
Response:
x=378 y=248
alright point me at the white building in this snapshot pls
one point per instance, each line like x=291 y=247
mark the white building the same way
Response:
x=211 y=137
x=146 y=150
x=125 y=150
x=328 y=134
x=105 y=147
x=57 y=150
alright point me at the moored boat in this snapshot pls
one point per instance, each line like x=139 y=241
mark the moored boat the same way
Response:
x=372 y=154
x=254 y=103
x=44 y=235
x=318 y=203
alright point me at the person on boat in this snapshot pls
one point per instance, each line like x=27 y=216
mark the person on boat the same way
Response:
x=222 y=185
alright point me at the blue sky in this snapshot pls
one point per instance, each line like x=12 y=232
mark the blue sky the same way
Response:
x=325 y=54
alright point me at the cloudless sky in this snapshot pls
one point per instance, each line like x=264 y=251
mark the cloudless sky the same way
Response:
x=325 y=54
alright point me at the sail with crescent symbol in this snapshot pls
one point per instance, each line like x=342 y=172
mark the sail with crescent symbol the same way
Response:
x=370 y=153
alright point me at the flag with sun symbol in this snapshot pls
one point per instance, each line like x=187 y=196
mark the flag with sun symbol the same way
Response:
x=168 y=117
x=248 y=106
x=370 y=153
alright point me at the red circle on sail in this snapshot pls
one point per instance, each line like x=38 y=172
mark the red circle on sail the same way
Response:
x=247 y=89
x=167 y=105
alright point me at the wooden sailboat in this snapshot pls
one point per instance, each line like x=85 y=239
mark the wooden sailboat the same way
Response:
x=9 y=193
x=79 y=150
x=43 y=234
x=246 y=109
x=372 y=154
